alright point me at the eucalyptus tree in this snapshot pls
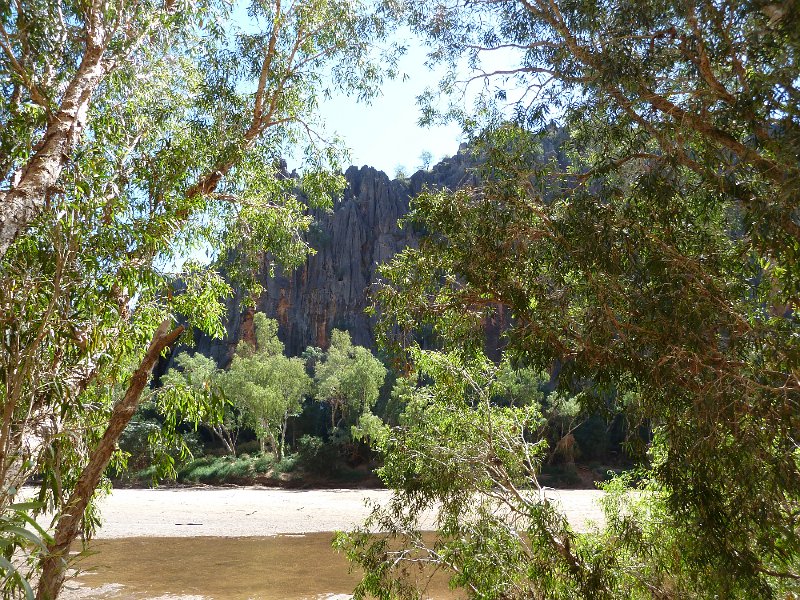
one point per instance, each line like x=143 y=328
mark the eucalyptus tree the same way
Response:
x=55 y=58
x=199 y=377
x=175 y=146
x=266 y=385
x=658 y=263
x=349 y=379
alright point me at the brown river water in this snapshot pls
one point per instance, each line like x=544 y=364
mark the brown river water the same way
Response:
x=285 y=567
x=240 y=544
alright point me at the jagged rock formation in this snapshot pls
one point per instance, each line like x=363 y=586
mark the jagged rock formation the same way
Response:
x=331 y=289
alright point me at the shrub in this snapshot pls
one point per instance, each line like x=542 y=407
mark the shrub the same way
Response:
x=316 y=456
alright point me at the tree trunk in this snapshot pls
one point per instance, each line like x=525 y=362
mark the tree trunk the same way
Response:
x=276 y=448
x=225 y=437
x=283 y=433
x=30 y=185
x=333 y=414
x=69 y=523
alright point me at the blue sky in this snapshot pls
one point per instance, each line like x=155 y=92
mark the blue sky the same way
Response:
x=385 y=134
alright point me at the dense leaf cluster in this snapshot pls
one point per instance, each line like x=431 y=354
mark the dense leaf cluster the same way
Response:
x=659 y=267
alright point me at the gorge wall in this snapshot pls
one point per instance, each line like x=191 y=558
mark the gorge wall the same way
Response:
x=331 y=289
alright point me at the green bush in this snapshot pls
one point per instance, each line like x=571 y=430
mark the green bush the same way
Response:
x=287 y=464
x=316 y=456
x=224 y=468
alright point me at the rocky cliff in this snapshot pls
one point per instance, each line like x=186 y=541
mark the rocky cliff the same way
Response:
x=331 y=289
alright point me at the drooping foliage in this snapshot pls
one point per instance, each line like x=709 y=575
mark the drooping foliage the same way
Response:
x=169 y=144
x=194 y=385
x=658 y=266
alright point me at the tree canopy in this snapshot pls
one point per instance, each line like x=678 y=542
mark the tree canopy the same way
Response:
x=266 y=385
x=135 y=133
x=650 y=249
x=349 y=379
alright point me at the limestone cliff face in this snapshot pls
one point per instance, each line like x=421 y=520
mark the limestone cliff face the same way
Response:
x=331 y=290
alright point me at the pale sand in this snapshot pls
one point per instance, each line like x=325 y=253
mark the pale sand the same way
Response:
x=210 y=568
x=258 y=512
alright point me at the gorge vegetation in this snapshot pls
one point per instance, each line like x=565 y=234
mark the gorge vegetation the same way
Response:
x=650 y=266
x=262 y=389
x=659 y=269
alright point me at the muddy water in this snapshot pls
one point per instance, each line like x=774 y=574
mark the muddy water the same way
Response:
x=286 y=567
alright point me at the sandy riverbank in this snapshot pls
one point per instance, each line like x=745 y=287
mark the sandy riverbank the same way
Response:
x=256 y=512
x=245 y=543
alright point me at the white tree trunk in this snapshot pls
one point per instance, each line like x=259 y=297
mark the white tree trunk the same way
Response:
x=31 y=183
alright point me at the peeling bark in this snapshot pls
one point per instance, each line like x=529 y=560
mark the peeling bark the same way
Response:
x=31 y=183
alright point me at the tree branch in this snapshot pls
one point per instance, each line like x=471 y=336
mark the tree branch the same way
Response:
x=69 y=523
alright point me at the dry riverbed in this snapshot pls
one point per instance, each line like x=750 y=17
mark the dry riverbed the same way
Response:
x=259 y=512
x=239 y=543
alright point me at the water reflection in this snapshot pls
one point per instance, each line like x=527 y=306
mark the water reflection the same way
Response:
x=287 y=567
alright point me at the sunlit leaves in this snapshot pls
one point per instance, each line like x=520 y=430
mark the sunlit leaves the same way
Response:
x=348 y=379
x=198 y=298
x=268 y=386
x=20 y=530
